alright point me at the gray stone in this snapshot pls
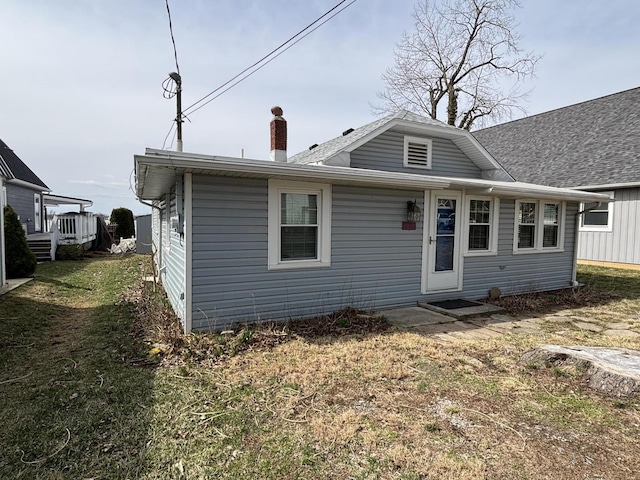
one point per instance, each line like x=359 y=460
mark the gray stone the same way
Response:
x=615 y=371
x=618 y=326
x=494 y=293
x=591 y=327
x=557 y=319
x=621 y=333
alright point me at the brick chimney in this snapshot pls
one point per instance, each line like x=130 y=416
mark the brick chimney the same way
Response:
x=278 y=136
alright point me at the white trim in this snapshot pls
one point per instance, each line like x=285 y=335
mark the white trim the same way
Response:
x=32 y=186
x=188 y=253
x=494 y=226
x=599 y=228
x=427 y=142
x=539 y=227
x=155 y=173
x=607 y=186
x=276 y=187
x=426 y=209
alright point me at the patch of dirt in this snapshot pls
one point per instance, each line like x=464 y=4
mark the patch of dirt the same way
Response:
x=160 y=328
x=555 y=300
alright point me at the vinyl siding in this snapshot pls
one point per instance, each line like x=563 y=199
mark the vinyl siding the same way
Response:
x=515 y=274
x=386 y=152
x=374 y=263
x=173 y=278
x=622 y=244
x=21 y=200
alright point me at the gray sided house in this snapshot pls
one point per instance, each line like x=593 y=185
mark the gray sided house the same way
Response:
x=591 y=146
x=23 y=191
x=403 y=210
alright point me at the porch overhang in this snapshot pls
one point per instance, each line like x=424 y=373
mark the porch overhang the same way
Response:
x=51 y=200
x=156 y=173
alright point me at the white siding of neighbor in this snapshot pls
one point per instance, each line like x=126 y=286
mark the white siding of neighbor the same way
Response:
x=622 y=244
x=374 y=263
x=386 y=152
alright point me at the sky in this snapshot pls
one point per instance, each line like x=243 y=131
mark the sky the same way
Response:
x=81 y=80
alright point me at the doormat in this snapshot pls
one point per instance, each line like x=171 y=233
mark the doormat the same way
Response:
x=454 y=304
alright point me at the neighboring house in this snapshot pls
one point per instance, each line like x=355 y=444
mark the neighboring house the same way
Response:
x=243 y=241
x=29 y=196
x=592 y=146
x=24 y=191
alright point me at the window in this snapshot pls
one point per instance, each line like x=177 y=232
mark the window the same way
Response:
x=598 y=218
x=482 y=237
x=37 y=218
x=417 y=152
x=539 y=226
x=299 y=225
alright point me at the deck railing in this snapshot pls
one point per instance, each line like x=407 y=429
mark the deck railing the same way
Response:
x=76 y=228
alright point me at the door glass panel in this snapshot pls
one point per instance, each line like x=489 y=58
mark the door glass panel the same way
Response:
x=445 y=234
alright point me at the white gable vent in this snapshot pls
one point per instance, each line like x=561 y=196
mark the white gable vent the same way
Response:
x=417 y=152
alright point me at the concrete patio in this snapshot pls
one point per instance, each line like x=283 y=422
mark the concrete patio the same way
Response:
x=447 y=329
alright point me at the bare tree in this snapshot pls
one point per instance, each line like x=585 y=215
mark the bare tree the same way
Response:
x=463 y=54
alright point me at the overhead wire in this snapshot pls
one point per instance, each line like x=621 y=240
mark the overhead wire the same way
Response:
x=265 y=60
x=173 y=40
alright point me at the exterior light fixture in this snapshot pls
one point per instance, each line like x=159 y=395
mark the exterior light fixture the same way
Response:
x=413 y=212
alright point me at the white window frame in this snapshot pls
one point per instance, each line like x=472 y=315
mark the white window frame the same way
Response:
x=599 y=228
x=37 y=212
x=494 y=221
x=323 y=191
x=167 y=226
x=539 y=227
x=426 y=141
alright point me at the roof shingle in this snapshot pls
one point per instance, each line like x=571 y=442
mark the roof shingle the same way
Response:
x=596 y=142
x=16 y=168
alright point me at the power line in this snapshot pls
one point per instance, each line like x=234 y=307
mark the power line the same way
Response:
x=264 y=58
x=173 y=40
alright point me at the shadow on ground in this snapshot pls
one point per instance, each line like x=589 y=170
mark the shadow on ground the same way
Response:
x=73 y=405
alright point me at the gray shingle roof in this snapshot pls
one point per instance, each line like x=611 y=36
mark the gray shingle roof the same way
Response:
x=16 y=168
x=591 y=143
x=332 y=147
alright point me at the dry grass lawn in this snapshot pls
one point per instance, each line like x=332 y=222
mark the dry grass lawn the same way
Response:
x=353 y=401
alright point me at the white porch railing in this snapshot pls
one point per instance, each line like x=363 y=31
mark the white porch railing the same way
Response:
x=75 y=228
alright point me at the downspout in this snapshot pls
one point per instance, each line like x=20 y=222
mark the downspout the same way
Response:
x=574 y=273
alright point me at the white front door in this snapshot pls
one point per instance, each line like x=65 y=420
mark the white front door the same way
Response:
x=442 y=240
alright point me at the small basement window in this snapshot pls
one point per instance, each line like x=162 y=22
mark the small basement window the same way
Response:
x=417 y=152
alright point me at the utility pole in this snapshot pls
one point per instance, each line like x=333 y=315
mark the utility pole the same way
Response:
x=176 y=78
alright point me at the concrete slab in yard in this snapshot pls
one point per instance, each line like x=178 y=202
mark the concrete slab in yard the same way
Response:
x=13 y=283
x=461 y=313
x=414 y=317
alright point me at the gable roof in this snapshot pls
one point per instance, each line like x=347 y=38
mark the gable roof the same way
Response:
x=408 y=121
x=592 y=143
x=15 y=168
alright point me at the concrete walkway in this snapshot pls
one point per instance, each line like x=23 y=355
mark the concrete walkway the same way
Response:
x=13 y=283
x=446 y=329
